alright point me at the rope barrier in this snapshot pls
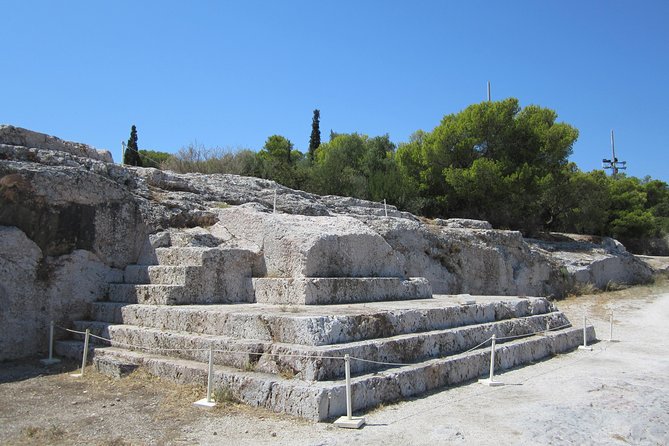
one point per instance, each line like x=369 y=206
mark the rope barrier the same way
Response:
x=294 y=355
x=347 y=421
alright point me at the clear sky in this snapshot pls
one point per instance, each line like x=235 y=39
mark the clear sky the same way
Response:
x=230 y=74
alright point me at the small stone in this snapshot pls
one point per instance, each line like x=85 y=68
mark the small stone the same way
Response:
x=273 y=434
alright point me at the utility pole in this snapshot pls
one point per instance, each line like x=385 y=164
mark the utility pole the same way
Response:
x=613 y=163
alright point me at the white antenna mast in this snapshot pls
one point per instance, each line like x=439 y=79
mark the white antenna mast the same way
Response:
x=613 y=163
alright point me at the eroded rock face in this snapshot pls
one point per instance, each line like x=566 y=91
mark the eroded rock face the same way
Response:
x=36 y=289
x=70 y=221
x=17 y=136
x=305 y=246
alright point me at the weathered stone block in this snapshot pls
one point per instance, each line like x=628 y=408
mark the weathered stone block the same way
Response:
x=338 y=290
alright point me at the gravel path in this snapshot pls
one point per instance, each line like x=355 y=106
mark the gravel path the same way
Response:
x=616 y=394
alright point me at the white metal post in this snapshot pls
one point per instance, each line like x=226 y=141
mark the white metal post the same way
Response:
x=585 y=335
x=347 y=369
x=385 y=207
x=349 y=421
x=50 y=360
x=84 y=356
x=492 y=358
x=208 y=401
x=611 y=327
x=210 y=372
x=490 y=381
x=274 y=207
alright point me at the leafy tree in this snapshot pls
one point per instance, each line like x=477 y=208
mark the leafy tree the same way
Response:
x=153 y=158
x=279 y=161
x=315 y=138
x=359 y=166
x=503 y=155
x=131 y=156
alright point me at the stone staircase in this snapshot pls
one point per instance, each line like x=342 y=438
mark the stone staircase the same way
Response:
x=188 y=275
x=280 y=316
x=288 y=358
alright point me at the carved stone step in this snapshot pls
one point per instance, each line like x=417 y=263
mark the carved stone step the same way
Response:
x=158 y=274
x=338 y=290
x=148 y=294
x=321 y=325
x=316 y=362
x=327 y=399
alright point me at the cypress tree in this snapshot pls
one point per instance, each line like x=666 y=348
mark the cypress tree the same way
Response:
x=131 y=156
x=315 y=139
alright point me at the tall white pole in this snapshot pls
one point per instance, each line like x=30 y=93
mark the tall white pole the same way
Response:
x=274 y=208
x=349 y=404
x=85 y=355
x=210 y=372
x=488 y=91
x=492 y=358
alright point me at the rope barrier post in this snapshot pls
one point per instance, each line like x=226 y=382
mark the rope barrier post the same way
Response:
x=274 y=207
x=611 y=327
x=208 y=401
x=349 y=421
x=585 y=336
x=84 y=356
x=385 y=207
x=50 y=360
x=491 y=380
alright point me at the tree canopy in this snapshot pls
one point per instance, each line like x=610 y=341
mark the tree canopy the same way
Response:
x=494 y=161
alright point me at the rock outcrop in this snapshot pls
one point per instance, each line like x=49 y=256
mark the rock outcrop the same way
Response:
x=72 y=222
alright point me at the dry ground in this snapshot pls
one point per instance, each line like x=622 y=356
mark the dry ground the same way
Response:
x=616 y=394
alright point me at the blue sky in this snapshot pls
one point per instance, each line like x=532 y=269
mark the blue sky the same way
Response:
x=230 y=74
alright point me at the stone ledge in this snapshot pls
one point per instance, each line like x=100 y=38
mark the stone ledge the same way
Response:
x=338 y=290
x=326 y=400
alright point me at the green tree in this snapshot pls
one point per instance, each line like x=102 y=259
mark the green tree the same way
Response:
x=153 y=158
x=279 y=161
x=131 y=156
x=525 y=153
x=315 y=138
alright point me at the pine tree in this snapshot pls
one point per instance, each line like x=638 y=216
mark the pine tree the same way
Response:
x=315 y=139
x=131 y=156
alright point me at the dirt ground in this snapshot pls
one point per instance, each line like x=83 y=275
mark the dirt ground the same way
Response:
x=616 y=394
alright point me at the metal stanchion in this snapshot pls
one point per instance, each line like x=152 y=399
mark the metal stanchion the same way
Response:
x=84 y=357
x=50 y=360
x=385 y=207
x=611 y=327
x=349 y=421
x=208 y=401
x=585 y=336
x=491 y=380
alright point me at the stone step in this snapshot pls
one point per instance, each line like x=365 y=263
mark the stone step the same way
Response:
x=321 y=325
x=319 y=362
x=181 y=256
x=326 y=400
x=158 y=274
x=148 y=294
x=338 y=290
x=73 y=349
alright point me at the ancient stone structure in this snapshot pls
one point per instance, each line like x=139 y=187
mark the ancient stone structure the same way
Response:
x=168 y=266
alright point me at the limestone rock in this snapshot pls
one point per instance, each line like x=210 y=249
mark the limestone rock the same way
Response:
x=305 y=246
x=18 y=136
